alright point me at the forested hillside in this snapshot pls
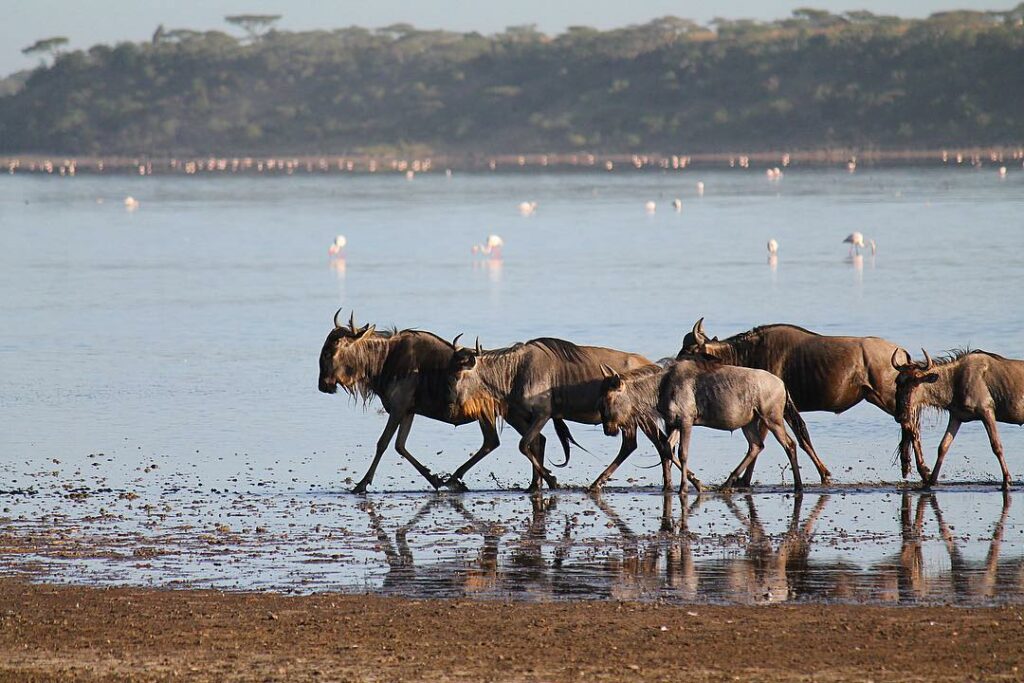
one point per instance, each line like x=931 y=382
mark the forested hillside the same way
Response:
x=814 y=80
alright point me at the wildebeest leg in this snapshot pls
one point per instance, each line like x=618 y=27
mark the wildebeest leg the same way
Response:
x=947 y=440
x=382 y=445
x=530 y=433
x=755 y=444
x=491 y=442
x=778 y=429
x=403 y=434
x=684 y=452
x=663 y=444
x=922 y=468
x=625 y=449
x=748 y=475
x=997 y=446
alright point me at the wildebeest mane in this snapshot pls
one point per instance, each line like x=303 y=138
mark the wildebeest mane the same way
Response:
x=561 y=349
x=955 y=355
x=753 y=333
x=704 y=361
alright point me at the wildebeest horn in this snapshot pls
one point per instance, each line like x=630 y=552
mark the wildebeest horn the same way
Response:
x=700 y=327
x=927 y=361
x=895 y=365
x=352 y=321
x=455 y=342
x=607 y=371
x=478 y=349
x=336 y=323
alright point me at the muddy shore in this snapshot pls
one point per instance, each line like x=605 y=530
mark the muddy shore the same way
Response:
x=51 y=633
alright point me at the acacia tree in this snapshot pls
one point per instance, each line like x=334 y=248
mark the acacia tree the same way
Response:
x=255 y=25
x=46 y=46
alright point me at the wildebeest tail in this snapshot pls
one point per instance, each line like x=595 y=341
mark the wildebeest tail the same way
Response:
x=564 y=438
x=796 y=423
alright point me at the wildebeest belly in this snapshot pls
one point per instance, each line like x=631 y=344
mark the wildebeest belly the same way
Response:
x=832 y=382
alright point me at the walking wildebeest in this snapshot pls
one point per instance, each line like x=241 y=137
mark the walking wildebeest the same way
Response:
x=969 y=385
x=530 y=383
x=702 y=391
x=408 y=371
x=822 y=373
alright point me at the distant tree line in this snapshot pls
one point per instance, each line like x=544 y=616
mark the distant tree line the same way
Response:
x=815 y=79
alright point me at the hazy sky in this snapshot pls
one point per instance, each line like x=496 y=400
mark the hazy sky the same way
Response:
x=86 y=22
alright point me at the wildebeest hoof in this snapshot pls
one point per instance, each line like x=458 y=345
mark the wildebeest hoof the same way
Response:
x=360 y=488
x=456 y=485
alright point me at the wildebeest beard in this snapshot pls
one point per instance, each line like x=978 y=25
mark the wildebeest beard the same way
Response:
x=367 y=357
x=641 y=387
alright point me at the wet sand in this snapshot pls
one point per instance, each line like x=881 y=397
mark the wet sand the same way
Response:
x=50 y=633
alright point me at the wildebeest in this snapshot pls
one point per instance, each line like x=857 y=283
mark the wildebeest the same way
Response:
x=408 y=371
x=530 y=383
x=702 y=391
x=969 y=385
x=822 y=373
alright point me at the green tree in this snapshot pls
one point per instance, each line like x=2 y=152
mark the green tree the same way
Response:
x=254 y=25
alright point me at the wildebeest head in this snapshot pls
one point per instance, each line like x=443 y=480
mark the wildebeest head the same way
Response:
x=615 y=405
x=337 y=364
x=911 y=375
x=695 y=340
x=467 y=391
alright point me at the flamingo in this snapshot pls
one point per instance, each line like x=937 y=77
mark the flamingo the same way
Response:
x=337 y=248
x=700 y=188
x=492 y=249
x=650 y=207
x=527 y=208
x=856 y=242
x=773 y=248
x=131 y=203
x=677 y=204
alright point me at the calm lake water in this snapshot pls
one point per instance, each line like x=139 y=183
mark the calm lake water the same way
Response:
x=186 y=333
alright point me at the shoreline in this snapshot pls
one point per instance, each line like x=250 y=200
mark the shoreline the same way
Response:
x=50 y=632
x=410 y=165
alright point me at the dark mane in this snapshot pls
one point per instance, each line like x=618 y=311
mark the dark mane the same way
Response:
x=641 y=372
x=705 y=361
x=745 y=336
x=955 y=355
x=561 y=349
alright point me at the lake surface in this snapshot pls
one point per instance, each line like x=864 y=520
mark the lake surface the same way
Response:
x=186 y=333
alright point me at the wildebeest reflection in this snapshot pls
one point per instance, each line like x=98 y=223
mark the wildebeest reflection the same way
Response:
x=970 y=386
x=716 y=549
x=822 y=373
x=408 y=371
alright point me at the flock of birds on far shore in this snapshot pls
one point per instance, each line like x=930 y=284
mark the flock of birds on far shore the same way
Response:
x=493 y=245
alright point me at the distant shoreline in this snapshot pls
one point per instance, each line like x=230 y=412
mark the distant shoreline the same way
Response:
x=307 y=164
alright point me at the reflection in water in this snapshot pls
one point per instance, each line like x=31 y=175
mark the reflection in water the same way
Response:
x=739 y=564
x=338 y=266
x=847 y=546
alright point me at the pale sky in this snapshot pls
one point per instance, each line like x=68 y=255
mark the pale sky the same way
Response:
x=87 y=22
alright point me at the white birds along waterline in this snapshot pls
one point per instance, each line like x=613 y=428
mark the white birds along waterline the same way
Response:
x=492 y=248
x=650 y=207
x=773 y=247
x=677 y=204
x=337 y=248
x=527 y=208
x=131 y=203
x=700 y=187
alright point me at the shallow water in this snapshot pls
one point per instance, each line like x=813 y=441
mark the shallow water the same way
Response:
x=186 y=333
x=842 y=545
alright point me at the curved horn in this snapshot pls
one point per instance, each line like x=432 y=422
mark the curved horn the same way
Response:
x=352 y=321
x=478 y=349
x=700 y=327
x=455 y=342
x=696 y=327
x=336 y=323
x=928 y=363
x=896 y=366
x=606 y=371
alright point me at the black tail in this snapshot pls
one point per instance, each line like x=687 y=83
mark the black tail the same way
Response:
x=565 y=438
x=797 y=424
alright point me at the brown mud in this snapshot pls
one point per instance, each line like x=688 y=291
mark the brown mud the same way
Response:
x=50 y=633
